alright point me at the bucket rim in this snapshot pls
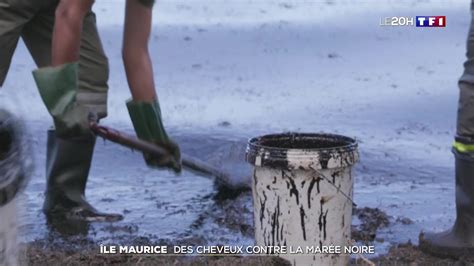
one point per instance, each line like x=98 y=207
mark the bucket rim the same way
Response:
x=351 y=143
x=332 y=151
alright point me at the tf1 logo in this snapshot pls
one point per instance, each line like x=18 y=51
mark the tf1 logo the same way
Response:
x=431 y=21
x=418 y=21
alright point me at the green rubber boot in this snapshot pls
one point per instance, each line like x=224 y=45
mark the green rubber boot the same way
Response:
x=459 y=240
x=67 y=168
x=58 y=89
x=146 y=119
x=70 y=146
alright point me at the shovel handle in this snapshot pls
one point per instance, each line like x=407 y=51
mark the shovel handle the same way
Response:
x=147 y=147
x=127 y=140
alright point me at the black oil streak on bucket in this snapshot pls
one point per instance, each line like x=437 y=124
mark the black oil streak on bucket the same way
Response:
x=302 y=215
x=276 y=224
x=294 y=189
x=262 y=210
x=310 y=188
x=322 y=220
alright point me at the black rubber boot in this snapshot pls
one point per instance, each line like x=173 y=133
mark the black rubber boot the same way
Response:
x=67 y=168
x=459 y=240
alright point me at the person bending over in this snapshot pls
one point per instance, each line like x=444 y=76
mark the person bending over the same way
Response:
x=58 y=86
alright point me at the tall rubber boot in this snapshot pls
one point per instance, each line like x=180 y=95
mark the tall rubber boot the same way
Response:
x=67 y=168
x=146 y=119
x=459 y=240
x=58 y=88
x=70 y=146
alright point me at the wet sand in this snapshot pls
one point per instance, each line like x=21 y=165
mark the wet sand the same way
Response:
x=77 y=250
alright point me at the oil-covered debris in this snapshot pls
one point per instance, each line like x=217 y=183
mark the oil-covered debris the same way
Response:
x=371 y=219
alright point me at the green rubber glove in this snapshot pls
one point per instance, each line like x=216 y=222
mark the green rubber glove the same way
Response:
x=146 y=119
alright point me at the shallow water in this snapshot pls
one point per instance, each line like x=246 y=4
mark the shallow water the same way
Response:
x=153 y=202
x=161 y=206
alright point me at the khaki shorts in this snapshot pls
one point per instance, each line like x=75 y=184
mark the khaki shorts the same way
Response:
x=33 y=21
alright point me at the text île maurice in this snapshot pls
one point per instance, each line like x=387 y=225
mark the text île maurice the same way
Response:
x=237 y=249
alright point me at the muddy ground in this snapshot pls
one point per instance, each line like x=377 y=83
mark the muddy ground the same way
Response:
x=81 y=251
x=405 y=254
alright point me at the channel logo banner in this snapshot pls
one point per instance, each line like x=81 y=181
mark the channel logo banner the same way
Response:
x=431 y=21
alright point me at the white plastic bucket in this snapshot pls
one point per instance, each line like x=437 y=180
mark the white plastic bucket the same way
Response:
x=302 y=193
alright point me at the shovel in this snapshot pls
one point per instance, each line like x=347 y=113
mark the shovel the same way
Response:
x=190 y=163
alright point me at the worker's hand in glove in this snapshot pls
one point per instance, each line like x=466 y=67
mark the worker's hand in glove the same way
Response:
x=171 y=160
x=146 y=119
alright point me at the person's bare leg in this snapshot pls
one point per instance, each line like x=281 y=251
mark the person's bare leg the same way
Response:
x=135 y=53
x=67 y=30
